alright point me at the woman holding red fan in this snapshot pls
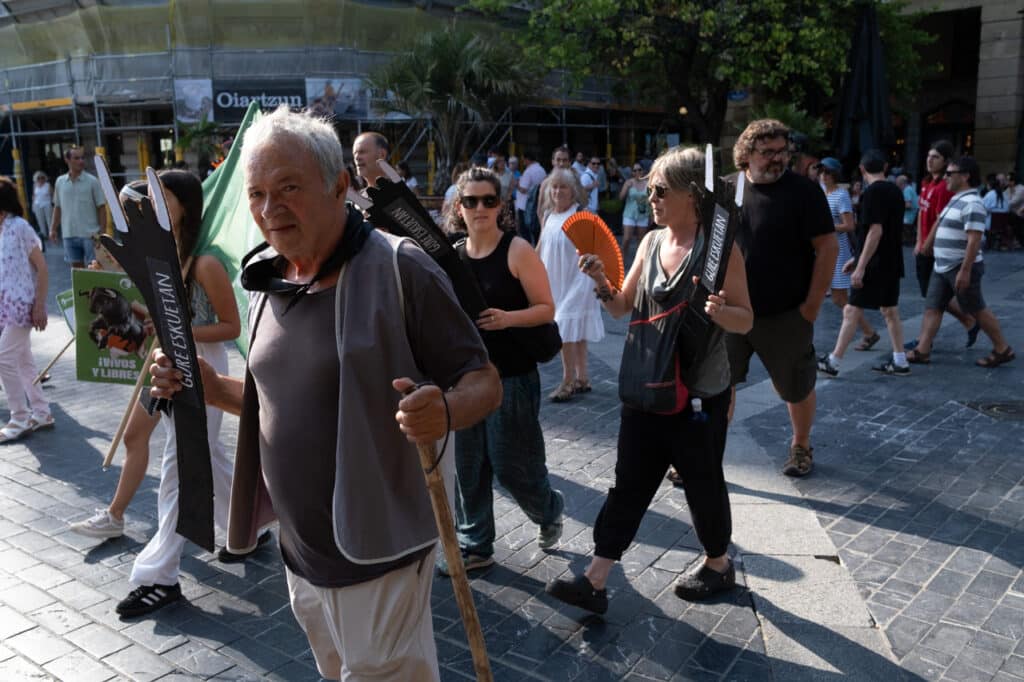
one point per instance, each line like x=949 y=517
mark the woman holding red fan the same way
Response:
x=691 y=435
x=577 y=313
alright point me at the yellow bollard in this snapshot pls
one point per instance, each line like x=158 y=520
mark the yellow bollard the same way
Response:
x=19 y=181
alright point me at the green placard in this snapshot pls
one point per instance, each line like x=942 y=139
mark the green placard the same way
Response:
x=66 y=304
x=111 y=338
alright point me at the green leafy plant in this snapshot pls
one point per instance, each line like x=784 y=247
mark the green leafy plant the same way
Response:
x=199 y=137
x=796 y=119
x=457 y=79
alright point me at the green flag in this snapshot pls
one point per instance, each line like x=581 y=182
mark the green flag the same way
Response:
x=229 y=231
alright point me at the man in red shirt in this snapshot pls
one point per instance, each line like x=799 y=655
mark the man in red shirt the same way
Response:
x=934 y=197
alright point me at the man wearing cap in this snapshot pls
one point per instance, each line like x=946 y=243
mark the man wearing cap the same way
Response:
x=876 y=269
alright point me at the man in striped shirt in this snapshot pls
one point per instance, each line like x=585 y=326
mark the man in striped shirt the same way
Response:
x=959 y=267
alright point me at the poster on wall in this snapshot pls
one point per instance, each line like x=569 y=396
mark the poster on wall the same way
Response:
x=347 y=98
x=231 y=98
x=193 y=100
x=111 y=330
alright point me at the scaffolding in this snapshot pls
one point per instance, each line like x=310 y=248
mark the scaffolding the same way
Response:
x=102 y=95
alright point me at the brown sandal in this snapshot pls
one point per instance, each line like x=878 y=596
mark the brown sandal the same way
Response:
x=561 y=394
x=916 y=357
x=995 y=358
x=581 y=386
x=868 y=342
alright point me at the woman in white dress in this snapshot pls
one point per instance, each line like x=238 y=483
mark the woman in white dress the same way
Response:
x=42 y=204
x=577 y=311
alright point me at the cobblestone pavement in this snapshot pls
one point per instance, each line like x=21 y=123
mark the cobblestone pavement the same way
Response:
x=919 y=491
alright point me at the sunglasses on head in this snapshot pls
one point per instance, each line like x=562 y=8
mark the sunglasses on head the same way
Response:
x=470 y=201
x=658 y=190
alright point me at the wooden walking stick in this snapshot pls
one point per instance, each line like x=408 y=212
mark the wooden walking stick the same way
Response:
x=453 y=556
x=53 y=362
x=131 y=404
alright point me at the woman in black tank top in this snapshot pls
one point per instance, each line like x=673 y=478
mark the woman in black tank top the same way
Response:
x=509 y=443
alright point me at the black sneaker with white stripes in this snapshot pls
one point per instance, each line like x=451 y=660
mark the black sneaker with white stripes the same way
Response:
x=892 y=369
x=825 y=366
x=148 y=598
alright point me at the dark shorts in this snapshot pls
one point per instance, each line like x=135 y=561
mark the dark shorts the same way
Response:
x=924 y=266
x=880 y=290
x=785 y=344
x=941 y=290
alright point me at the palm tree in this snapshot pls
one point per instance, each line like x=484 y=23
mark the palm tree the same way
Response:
x=458 y=81
x=199 y=138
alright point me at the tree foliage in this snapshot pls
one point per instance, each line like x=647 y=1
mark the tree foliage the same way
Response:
x=458 y=80
x=691 y=53
x=796 y=119
x=199 y=137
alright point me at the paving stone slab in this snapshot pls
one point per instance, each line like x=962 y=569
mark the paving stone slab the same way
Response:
x=805 y=651
x=794 y=589
x=779 y=530
x=79 y=667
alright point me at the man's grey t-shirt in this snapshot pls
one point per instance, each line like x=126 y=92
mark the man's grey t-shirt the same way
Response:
x=294 y=363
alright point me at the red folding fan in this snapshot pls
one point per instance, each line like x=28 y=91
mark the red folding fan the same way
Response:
x=590 y=234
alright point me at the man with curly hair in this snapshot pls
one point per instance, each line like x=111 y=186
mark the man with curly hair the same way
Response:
x=789 y=246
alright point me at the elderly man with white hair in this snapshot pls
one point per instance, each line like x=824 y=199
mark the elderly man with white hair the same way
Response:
x=351 y=330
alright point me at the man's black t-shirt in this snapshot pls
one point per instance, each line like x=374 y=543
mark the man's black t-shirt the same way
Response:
x=778 y=220
x=882 y=203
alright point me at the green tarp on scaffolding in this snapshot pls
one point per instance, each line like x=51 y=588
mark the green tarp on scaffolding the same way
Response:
x=243 y=24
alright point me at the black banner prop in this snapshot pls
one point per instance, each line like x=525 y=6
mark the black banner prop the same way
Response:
x=149 y=255
x=396 y=209
x=719 y=214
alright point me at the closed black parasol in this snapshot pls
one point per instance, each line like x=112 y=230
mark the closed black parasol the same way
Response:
x=864 y=120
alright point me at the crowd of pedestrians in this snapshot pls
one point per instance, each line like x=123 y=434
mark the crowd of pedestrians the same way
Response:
x=380 y=374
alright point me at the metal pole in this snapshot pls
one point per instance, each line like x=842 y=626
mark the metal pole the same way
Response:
x=74 y=102
x=19 y=172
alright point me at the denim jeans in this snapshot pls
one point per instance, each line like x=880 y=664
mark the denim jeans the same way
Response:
x=508 y=444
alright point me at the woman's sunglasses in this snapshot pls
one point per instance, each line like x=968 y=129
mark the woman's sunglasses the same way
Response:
x=658 y=190
x=470 y=202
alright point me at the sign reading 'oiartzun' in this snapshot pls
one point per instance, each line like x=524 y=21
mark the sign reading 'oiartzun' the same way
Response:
x=231 y=99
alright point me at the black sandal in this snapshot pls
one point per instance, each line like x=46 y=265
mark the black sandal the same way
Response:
x=579 y=592
x=705 y=583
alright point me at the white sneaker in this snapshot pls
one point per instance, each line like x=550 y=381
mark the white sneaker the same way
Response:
x=102 y=525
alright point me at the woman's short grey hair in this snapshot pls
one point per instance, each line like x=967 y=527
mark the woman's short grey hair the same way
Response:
x=37 y=175
x=562 y=176
x=314 y=133
x=681 y=168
